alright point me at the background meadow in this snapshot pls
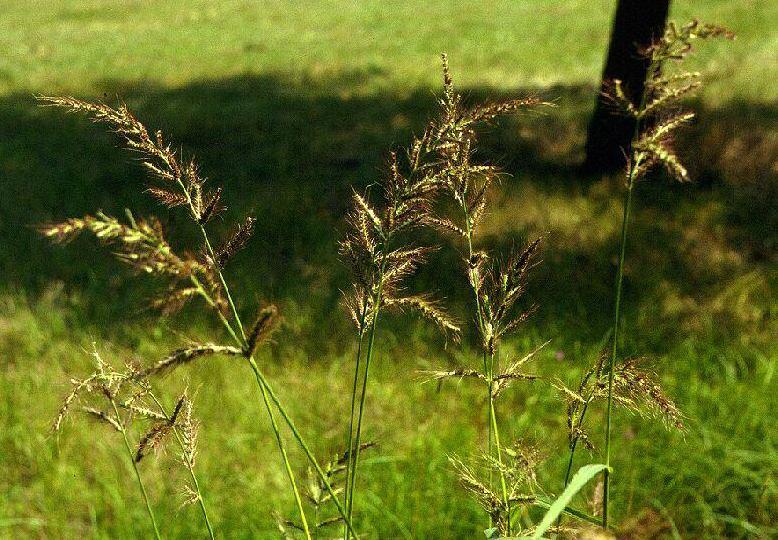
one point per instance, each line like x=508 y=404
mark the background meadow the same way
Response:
x=290 y=105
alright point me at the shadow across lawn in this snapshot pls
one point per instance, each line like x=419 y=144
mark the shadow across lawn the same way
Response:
x=290 y=154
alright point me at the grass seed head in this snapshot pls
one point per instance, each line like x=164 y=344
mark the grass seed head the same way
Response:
x=656 y=111
x=186 y=355
x=160 y=431
x=104 y=417
x=237 y=241
x=263 y=328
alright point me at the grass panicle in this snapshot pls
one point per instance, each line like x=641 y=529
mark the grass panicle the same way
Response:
x=519 y=470
x=119 y=400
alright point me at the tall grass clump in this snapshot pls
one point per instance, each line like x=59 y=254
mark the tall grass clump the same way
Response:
x=141 y=243
x=497 y=286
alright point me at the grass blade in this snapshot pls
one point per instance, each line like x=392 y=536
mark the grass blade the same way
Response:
x=580 y=479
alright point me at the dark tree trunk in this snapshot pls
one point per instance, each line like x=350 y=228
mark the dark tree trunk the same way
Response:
x=637 y=24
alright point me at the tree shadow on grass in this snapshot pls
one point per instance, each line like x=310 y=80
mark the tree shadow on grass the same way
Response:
x=289 y=154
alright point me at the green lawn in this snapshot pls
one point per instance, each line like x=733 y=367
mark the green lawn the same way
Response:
x=288 y=105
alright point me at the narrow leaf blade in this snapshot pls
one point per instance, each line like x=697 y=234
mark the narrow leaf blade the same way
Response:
x=580 y=479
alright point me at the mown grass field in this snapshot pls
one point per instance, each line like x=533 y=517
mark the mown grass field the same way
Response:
x=290 y=105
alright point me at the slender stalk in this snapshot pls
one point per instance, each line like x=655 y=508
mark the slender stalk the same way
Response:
x=135 y=468
x=363 y=395
x=204 y=294
x=496 y=435
x=189 y=466
x=488 y=366
x=573 y=446
x=570 y=465
x=571 y=458
x=612 y=361
x=267 y=391
x=574 y=443
x=262 y=387
x=633 y=167
x=282 y=448
x=296 y=433
x=262 y=380
x=489 y=438
x=223 y=283
x=349 y=446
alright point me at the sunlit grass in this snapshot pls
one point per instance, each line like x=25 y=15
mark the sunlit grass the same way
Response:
x=84 y=45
